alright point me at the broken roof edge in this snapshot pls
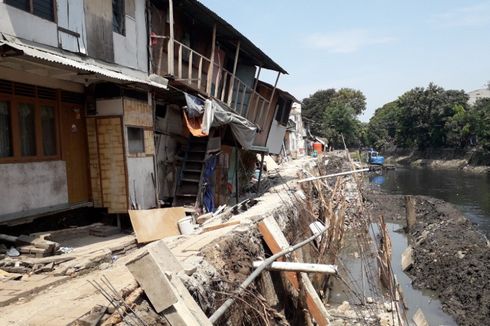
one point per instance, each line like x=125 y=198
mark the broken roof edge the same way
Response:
x=282 y=92
x=264 y=61
x=79 y=62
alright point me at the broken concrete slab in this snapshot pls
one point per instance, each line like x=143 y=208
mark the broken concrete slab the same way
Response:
x=91 y=318
x=419 y=318
x=155 y=224
x=151 y=277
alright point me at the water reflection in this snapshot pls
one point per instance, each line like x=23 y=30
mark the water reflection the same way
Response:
x=469 y=192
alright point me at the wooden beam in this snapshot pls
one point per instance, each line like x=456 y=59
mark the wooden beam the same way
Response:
x=275 y=239
x=273 y=91
x=211 y=65
x=171 y=41
x=232 y=80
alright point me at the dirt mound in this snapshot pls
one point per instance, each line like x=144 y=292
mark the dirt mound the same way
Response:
x=452 y=258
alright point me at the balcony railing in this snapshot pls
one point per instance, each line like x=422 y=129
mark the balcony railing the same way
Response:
x=193 y=68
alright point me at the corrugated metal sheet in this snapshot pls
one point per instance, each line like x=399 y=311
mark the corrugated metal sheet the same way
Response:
x=77 y=62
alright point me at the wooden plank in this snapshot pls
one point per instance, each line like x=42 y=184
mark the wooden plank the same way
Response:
x=220 y=226
x=407 y=258
x=230 y=91
x=211 y=64
x=199 y=73
x=156 y=224
x=419 y=318
x=277 y=242
x=179 y=62
x=410 y=211
x=189 y=73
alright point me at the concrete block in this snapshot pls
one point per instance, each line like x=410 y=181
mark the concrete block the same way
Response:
x=152 y=279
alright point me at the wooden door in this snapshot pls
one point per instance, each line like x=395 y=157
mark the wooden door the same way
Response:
x=75 y=152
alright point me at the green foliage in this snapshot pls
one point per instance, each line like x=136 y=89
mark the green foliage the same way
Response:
x=421 y=118
x=481 y=120
x=330 y=113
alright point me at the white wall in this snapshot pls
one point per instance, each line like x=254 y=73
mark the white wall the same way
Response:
x=131 y=50
x=32 y=186
x=22 y=24
x=109 y=107
x=276 y=137
x=70 y=15
x=139 y=179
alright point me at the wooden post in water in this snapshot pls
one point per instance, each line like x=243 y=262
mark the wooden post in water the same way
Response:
x=410 y=211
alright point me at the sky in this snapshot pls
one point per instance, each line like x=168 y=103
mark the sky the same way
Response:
x=381 y=47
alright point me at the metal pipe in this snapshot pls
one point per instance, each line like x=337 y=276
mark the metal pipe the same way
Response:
x=227 y=304
x=299 y=267
x=333 y=175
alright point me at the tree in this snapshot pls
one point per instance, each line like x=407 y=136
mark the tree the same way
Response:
x=384 y=126
x=313 y=109
x=481 y=115
x=330 y=113
x=424 y=113
x=351 y=97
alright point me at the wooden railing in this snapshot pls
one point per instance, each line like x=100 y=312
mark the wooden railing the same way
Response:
x=193 y=68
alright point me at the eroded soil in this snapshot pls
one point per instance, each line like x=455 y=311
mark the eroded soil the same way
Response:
x=451 y=256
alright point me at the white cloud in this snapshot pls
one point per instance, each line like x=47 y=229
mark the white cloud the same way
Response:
x=470 y=16
x=346 y=41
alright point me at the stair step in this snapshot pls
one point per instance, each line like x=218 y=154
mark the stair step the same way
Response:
x=192 y=170
x=186 y=195
x=190 y=180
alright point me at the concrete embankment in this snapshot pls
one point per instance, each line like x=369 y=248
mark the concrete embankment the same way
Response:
x=471 y=161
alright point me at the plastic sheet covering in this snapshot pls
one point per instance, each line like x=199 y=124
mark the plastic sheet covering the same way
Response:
x=194 y=125
x=216 y=114
x=194 y=107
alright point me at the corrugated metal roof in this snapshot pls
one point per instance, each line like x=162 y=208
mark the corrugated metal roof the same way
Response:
x=85 y=64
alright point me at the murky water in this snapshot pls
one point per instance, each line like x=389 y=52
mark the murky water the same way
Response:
x=468 y=191
x=425 y=300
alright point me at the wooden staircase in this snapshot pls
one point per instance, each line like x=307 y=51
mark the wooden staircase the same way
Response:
x=189 y=181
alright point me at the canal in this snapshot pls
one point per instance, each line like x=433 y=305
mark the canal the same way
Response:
x=470 y=192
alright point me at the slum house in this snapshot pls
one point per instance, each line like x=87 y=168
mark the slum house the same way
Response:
x=213 y=72
x=76 y=118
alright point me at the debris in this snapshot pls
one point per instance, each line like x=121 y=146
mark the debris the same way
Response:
x=156 y=224
x=66 y=250
x=407 y=258
x=205 y=217
x=419 y=318
x=276 y=241
x=12 y=252
x=91 y=318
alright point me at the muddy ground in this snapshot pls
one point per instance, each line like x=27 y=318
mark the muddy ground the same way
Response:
x=451 y=256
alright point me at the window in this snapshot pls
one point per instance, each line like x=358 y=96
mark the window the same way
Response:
x=118 y=15
x=40 y=8
x=282 y=111
x=136 y=140
x=48 y=127
x=6 y=149
x=28 y=123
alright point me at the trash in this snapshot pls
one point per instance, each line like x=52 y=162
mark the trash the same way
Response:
x=12 y=252
x=66 y=250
